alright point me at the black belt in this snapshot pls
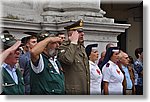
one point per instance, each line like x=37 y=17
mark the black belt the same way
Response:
x=128 y=89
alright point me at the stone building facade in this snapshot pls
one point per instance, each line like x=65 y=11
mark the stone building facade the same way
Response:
x=52 y=15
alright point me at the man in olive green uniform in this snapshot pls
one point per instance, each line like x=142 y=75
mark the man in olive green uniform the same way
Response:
x=74 y=60
x=12 y=79
x=46 y=76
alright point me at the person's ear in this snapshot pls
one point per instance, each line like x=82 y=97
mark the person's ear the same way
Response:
x=139 y=55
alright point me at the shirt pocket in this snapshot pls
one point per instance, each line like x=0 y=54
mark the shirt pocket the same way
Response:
x=8 y=84
x=55 y=86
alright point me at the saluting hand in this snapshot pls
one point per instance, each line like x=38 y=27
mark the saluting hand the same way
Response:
x=15 y=46
x=54 y=39
x=8 y=51
x=74 y=37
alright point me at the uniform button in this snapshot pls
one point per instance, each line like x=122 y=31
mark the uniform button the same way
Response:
x=49 y=65
x=53 y=90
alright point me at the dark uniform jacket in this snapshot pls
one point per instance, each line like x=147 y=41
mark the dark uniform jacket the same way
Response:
x=75 y=64
x=48 y=81
x=9 y=87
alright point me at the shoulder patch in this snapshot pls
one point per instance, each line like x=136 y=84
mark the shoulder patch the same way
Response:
x=107 y=65
x=98 y=71
x=118 y=71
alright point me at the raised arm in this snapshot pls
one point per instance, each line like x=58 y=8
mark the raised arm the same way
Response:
x=39 y=47
x=6 y=52
x=67 y=51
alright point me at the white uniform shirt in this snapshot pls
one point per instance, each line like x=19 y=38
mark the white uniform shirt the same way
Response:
x=113 y=75
x=95 y=79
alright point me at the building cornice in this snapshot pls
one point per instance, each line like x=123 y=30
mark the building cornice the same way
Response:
x=18 y=24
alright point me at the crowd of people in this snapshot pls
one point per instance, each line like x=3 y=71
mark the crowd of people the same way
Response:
x=59 y=64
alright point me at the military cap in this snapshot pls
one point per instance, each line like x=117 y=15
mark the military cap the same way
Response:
x=31 y=33
x=25 y=39
x=75 y=25
x=5 y=32
x=108 y=55
x=45 y=34
x=89 y=48
x=7 y=40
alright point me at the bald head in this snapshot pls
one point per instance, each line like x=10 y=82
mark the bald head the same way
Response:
x=124 y=58
x=109 y=45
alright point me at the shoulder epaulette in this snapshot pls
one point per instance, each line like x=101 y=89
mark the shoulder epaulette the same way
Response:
x=107 y=65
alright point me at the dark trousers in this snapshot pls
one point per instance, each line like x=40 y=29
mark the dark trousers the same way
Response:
x=139 y=90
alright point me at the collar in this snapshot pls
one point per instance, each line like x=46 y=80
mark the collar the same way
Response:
x=45 y=55
x=123 y=67
x=92 y=63
x=139 y=61
x=8 y=67
x=53 y=58
x=112 y=63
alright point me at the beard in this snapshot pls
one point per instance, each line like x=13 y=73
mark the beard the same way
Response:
x=52 y=52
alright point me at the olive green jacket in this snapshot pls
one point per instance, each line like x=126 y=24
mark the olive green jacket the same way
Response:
x=75 y=64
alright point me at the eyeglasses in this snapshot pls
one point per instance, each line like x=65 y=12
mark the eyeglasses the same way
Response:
x=62 y=37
